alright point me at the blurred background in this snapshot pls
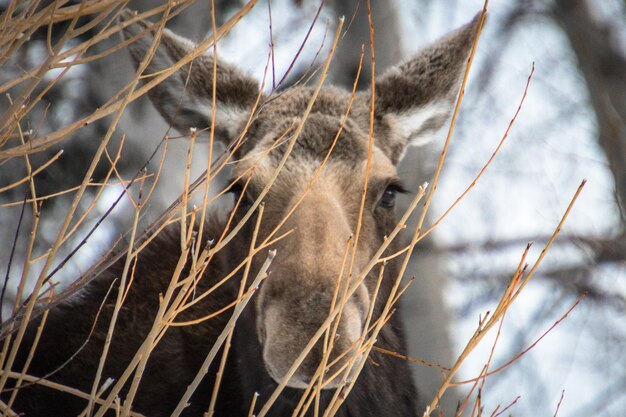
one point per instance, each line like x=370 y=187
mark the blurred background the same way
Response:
x=571 y=127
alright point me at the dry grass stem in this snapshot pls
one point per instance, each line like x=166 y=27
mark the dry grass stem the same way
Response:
x=511 y=293
x=58 y=387
x=240 y=295
x=183 y=403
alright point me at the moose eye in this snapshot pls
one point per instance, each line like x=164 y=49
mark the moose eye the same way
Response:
x=388 y=200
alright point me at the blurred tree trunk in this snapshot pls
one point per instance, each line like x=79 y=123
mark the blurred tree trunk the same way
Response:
x=424 y=312
x=602 y=63
x=386 y=38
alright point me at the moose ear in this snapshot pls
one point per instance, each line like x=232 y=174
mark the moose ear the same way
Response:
x=414 y=99
x=185 y=98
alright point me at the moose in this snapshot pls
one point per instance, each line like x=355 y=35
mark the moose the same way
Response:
x=411 y=102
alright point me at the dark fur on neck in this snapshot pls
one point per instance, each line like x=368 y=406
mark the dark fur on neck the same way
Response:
x=384 y=388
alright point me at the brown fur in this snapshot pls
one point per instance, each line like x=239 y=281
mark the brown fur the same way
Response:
x=295 y=300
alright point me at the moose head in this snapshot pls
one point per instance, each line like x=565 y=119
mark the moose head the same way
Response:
x=318 y=191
